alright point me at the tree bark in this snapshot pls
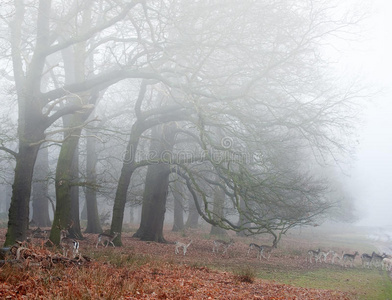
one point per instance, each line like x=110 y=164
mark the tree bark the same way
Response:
x=219 y=201
x=40 y=201
x=75 y=230
x=156 y=187
x=123 y=183
x=64 y=184
x=93 y=224
x=18 y=214
x=193 y=215
x=31 y=122
x=178 y=224
x=243 y=222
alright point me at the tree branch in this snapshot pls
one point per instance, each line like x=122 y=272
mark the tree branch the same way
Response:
x=9 y=151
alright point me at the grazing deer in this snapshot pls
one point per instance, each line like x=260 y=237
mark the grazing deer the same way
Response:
x=254 y=246
x=313 y=254
x=106 y=238
x=183 y=245
x=366 y=260
x=226 y=245
x=266 y=249
x=350 y=258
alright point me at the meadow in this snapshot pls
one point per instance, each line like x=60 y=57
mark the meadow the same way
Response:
x=148 y=270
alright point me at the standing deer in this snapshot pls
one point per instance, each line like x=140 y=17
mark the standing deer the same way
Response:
x=225 y=244
x=68 y=244
x=267 y=250
x=106 y=238
x=350 y=258
x=313 y=254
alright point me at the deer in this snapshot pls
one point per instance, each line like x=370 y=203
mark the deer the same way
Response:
x=267 y=249
x=183 y=245
x=106 y=238
x=313 y=253
x=350 y=258
x=336 y=255
x=262 y=249
x=68 y=244
x=254 y=246
x=377 y=259
x=225 y=244
x=366 y=260
x=323 y=255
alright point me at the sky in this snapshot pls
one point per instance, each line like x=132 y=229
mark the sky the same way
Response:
x=370 y=180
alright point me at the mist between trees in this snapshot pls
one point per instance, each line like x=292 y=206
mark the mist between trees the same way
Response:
x=224 y=110
x=193 y=156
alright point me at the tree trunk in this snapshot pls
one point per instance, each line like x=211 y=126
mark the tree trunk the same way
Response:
x=219 y=201
x=63 y=217
x=40 y=190
x=193 y=215
x=75 y=231
x=156 y=187
x=123 y=183
x=18 y=215
x=178 y=224
x=31 y=133
x=243 y=222
x=93 y=224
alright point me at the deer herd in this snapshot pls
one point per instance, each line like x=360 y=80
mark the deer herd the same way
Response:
x=69 y=245
x=347 y=259
x=313 y=256
x=70 y=248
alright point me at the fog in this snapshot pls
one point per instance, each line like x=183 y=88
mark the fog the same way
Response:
x=369 y=180
x=305 y=103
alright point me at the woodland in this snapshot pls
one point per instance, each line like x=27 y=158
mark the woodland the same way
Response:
x=225 y=112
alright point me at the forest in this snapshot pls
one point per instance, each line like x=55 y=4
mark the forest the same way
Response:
x=229 y=113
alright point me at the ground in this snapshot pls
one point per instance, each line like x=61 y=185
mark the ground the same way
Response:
x=148 y=270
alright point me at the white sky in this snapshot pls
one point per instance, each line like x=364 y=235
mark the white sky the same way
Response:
x=371 y=177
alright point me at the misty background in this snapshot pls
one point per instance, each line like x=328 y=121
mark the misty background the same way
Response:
x=270 y=93
x=369 y=180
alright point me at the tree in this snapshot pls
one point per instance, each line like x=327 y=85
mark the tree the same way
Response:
x=178 y=223
x=157 y=186
x=145 y=120
x=31 y=54
x=93 y=225
x=40 y=195
x=253 y=70
x=296 y=112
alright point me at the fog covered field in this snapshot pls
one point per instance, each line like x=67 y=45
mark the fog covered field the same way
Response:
x=287 y=269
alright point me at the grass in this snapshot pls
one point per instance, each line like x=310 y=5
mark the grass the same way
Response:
x=366 y=284
x=363 y=283
x=120 y=259
x=245 y=274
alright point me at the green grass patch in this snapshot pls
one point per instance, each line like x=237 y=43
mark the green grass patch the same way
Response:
x=366 y=284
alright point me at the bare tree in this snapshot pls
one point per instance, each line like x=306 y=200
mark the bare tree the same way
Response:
x=253 y=70
x=39 y=107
